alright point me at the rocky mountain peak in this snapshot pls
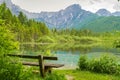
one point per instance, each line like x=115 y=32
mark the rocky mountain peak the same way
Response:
x=103 y=12
x=117 y=13
x=74 y=7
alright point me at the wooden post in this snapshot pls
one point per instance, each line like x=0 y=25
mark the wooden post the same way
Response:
x=41 y=65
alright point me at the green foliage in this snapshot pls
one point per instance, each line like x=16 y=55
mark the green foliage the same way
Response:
x=104 y=24
x=10 y=71
x=117 y=43
x=76 y=38
x=104 y=64
x=26 y=30
x=87 y=40
x=64 y=38
x=22 y=18
x=7 y=41
x=46 y=39
x=83 y=63
x=61 y=39
x=55 y=76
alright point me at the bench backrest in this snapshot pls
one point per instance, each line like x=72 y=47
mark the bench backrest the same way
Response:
x=33 y=56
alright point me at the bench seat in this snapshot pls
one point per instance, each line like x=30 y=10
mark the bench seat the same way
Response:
x=53 y=65
x=46 y=64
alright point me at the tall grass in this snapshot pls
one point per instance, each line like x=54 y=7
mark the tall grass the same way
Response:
x=9 y=71
x=104 y=64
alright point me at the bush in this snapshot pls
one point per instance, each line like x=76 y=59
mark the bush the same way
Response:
x=7 y=41
x=117 y=43
x=88 y=40
x=46 y=39
x=68 y=38
x=10 y=71
x=76 y=38
x=104 y=64
x=83 y=63
x=62 y=40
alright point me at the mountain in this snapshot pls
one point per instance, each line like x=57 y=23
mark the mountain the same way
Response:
x=116 y=13
x=103 y=12
x=70 y=17
x=104 y=24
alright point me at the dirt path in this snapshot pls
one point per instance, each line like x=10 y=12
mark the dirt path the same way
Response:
x=69 y=77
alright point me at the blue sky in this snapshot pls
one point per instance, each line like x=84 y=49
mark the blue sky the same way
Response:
x=56 y=5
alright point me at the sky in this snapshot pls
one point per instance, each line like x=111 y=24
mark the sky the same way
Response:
x=56 y=5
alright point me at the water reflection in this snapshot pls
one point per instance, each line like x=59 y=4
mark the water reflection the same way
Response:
x=68 y=54
x=56 y=47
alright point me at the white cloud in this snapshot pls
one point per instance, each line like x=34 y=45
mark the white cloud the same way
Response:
x=94 y=5
x=117 y=7
x=43 y=5
x=55 y=5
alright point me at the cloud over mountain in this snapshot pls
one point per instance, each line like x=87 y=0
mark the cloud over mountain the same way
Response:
x=94 y=5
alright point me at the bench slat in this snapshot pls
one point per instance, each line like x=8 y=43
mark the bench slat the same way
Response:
x=53 y=65
x=23 y=56
x=33 y=56
x=46 y=64
x=50 y=58
x=30 y=63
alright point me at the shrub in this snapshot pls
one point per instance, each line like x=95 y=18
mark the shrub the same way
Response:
x=46 y=39
x=83 y=63
x=68 y=38
x=62 y=40
x=117 y=43
x=10 y=71
x=104 y=64
x=86 y=40
x=76 y=38
x=7 y=41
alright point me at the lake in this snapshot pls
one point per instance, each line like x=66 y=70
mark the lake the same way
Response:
x=68 y=54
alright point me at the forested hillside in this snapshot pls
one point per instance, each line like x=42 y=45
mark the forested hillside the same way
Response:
x=26 y=30
x=104 y=24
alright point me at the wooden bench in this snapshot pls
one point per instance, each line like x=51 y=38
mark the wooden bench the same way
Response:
x=43 y=67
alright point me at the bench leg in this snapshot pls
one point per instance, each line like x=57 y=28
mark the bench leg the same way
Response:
x=48 y=70
x=41 y=65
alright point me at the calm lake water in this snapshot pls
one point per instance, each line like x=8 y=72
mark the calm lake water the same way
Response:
x=68 y=54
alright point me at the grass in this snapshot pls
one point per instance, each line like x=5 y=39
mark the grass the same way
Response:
x=86 y=75
x=79 y=75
